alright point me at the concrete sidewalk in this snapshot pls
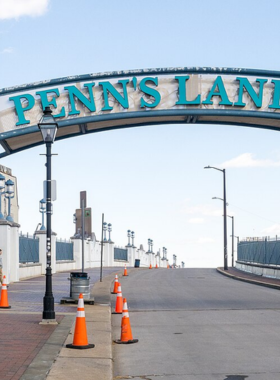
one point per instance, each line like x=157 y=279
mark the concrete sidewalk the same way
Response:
x=90 y=364
x=237 y=274
x=29 y=349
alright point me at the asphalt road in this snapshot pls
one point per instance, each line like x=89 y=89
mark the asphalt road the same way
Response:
x=196 y=324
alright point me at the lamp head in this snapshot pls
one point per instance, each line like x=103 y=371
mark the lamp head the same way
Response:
x=42 y=207
x=9 y=188
x=48 y=126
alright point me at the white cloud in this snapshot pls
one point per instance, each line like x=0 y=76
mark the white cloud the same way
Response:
x=205 y=210
x=17 y=8
x=8 y=50
x=247 y=160
x=272 y=230
x=202 y=240
x=196 y=221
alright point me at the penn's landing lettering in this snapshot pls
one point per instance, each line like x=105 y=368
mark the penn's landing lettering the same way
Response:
x=123 y=99
x=149 y=94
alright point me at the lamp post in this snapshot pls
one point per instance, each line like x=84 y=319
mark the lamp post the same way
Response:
x=42 y=209
x=104 y=231
x=232 y=240
x=237 y=237
x=132 y=238
x=128 y=236
x=75 y=222
x=149 y=243
x=225 y=214
x=2 y=191
x=9 y=194
x=48 y=128
x=109 y=231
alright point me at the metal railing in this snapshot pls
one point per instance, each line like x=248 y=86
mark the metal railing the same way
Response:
x=64 y=250
x=28 y=249
x=264 y=251
x=120 y=254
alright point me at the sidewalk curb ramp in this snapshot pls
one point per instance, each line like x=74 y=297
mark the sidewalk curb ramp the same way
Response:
x=250 y=280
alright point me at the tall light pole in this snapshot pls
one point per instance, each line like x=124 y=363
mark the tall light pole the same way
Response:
x=237 y=237
x=232 y=240
x=225 y=214
x=48 y=128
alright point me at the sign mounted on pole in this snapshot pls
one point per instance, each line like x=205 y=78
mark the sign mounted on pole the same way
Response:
x=97 y=102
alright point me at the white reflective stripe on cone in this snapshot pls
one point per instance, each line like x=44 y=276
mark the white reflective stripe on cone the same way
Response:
x=81 y=313
x=81 y=303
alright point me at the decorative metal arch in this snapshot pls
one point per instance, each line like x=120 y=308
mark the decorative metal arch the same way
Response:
x=98 y=102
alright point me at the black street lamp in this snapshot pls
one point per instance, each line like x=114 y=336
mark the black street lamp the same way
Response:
x=225 y=214
x=48 y=128
x=232 y=240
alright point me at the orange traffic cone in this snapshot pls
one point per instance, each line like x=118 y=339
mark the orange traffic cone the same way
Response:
x=80 y=340
x=125 y=271
x=150 y=267
x=116 y=284
x=156 y=265
x=119 y=301
x=126 y=334
x=4 y=303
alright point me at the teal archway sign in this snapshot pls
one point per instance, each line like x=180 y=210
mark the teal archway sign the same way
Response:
x=98 y=102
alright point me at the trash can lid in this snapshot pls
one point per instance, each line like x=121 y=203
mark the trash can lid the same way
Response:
x=78 y=274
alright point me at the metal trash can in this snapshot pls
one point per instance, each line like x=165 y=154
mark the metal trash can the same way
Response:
x=79 y=283
x=137 y=263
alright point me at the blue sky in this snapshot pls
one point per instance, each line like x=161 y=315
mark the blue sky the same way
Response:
x=148 y=179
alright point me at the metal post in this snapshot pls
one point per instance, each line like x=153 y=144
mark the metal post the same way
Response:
x=225 y=224
x=2 y=191
x=232 y=257
x=237 y=246
x=128 y=235
x=48 y=302
x=101 y=264
x=83 y=235
x=132 y=238
x=1 y=215
x=109 y=231
x=43 y=223
x=225 y=214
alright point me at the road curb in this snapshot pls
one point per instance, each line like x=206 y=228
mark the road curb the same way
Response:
x=250 y=280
